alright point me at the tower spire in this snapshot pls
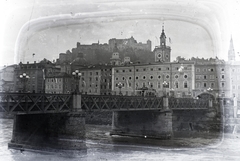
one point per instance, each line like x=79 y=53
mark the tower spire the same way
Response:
x=163 y=37
x=231 y=51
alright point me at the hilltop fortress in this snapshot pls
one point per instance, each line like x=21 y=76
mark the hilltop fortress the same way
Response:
x=90 y=51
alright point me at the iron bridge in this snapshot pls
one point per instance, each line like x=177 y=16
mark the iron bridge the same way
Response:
x=30 y=103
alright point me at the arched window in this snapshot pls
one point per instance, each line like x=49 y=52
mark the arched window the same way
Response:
x=185 y=85
x=176 y=84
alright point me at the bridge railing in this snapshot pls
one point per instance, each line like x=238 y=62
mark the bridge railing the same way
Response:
x=188 y=103
x=118 y=103
x=35 y=102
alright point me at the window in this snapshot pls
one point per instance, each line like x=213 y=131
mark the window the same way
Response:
x=144 y=77
x=198 y=70
x=151 y=85
x=159 y=77
x=159 y=69
x=185 y=85
x=96 y=78
x=96 y=73
x=176 y=76
x=222 y=76
x=144 y=69
x=130 y=78
x=123 y=70
x=211 y=70
x=116 y=78
x=176 y=84
x=129 y=84
x=136 y=70
x=116 y=71
x=123 y=78
x=130 y=70
x=167 y=76
x=223 y=84
x=185 y=76
x=204 y=84
x=151 y=69
x=205 y=77
x=136 y=77
x=159 y=85
x=167 y=68
x=151 y=77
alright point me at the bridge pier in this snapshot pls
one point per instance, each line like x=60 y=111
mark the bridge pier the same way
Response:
x=151 y=124
x=63 y=131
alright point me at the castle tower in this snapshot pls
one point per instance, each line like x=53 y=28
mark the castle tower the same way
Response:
x=231 y=52
x=162 y=52
x=115 y=60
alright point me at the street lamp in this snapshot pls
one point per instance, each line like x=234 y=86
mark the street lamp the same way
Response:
x=120 y=87
x=77 y=75
x=24 y=78
x=165 y=85
x=209 y=89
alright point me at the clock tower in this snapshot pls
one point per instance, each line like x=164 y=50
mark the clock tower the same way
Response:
x=162 y=52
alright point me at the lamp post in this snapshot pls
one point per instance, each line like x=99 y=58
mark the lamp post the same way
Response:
x=165 y=85
x=120 y=87
x=77 y=75
x=24 y=78
x=165 y=97
x=210 y=100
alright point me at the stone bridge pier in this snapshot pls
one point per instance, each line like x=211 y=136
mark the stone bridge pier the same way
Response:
x=44 y=131
x=64 y=131
x=151 y=124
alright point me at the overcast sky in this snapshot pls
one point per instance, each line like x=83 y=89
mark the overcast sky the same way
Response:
x=47 y=28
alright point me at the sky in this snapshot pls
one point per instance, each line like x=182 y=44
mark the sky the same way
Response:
x=197 y=28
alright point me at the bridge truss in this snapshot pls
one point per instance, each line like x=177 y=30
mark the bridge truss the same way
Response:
x=59 y=103
x=35 y=103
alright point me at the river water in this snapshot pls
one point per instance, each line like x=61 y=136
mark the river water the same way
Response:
x=225 y=147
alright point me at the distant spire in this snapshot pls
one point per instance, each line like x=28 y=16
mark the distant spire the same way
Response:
x=231 y=51
x=163 y=27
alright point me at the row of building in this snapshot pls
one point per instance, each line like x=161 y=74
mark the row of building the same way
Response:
x=180 y=78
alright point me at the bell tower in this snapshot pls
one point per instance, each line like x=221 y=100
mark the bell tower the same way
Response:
x=162 y=52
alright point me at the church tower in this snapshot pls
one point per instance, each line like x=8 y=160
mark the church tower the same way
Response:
x=231 y=52
x=162 y=52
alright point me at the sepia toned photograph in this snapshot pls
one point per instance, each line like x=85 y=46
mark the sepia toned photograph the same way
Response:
x=119 y=80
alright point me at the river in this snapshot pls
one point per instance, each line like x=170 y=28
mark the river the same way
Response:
x=225 y=147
